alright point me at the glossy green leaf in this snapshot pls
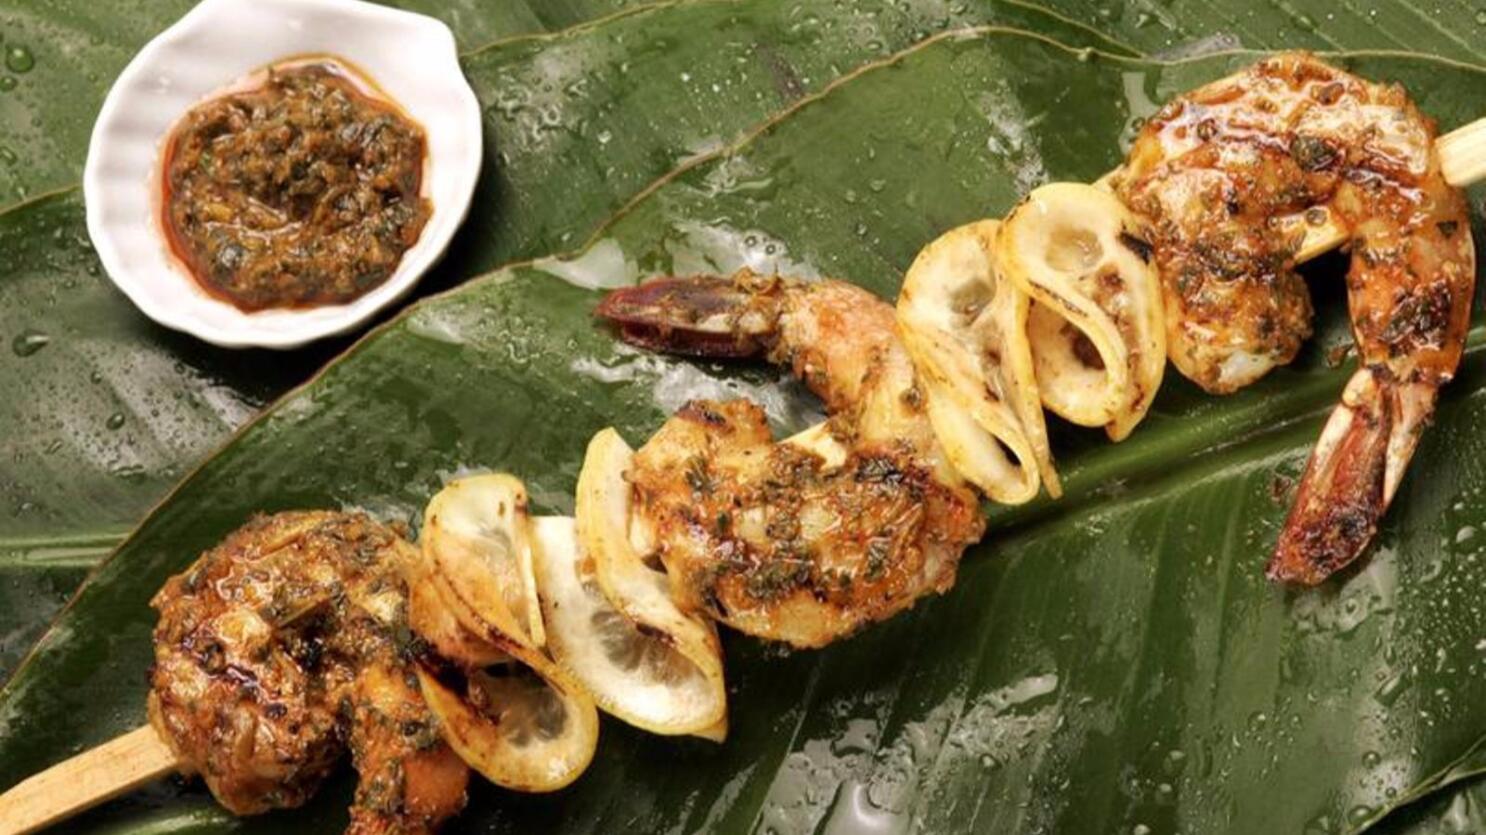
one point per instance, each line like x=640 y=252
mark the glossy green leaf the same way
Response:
x=59 y=60
x=1453 y=29
x=110 y=410
x=1460 y=810
x=1109 y=662
x=581 y=125
x=102 y=409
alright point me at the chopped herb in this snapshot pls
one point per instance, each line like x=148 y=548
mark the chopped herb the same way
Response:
x=1312 y=153
x=697 y=476
x=301 y=191
x=778 y=577
x=878 y=551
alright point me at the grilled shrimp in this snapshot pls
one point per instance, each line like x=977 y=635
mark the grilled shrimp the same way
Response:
x=808 y=539
x=1221 y=173
x=279 y=649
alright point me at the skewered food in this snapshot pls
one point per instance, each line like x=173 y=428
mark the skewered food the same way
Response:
x=1095 y=324
x=1216 y=171
x=771 y=538
x=686 y=662
x=636 y=674
x=506 y=707
x=283 y=646
x=964 y=323
x=1059 y=307
x=291 y=640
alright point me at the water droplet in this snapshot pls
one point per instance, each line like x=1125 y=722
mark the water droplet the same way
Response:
x=7 y=83
x=115 y=420
x=28 y=342
x=1481 y=17
x=19 y=59
x=1388 y=692
x=1371 y=759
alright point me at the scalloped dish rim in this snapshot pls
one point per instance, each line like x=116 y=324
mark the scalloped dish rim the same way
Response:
x=112 y=172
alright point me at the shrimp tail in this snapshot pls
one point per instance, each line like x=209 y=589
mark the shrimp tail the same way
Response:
x=1351 y=477
x=703 y=316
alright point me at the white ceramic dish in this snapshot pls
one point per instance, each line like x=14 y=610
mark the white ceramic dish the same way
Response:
x=411 y=57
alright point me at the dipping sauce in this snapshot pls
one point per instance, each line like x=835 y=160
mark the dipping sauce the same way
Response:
x=296 y=191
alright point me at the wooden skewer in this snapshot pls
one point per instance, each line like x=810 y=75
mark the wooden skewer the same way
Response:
x=103 y=773
x=1463 y=154
x=1462 y=160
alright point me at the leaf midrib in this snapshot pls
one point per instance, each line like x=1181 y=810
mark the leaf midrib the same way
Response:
x=43 y=553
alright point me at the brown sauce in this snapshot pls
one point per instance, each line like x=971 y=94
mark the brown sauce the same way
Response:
x=300 y=190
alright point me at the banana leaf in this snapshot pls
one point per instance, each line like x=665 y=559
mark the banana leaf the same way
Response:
x=1111 y=662
x=574 y=119
x=60 y=58
x=84 y=461
x=1453 y=29
x=1455 y=811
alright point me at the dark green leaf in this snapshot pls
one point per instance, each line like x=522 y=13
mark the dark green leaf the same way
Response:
x=1109 y=662
x=59 y=60
x=87 y=458
x=1460 y=810
x=1449 y=28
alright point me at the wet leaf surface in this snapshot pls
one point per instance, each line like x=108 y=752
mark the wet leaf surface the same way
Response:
x=112 y=409
x=1109 y=662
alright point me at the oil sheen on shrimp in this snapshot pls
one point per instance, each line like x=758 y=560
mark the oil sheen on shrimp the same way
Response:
x=797 y=541
x=1221 y=173
x=279 y=649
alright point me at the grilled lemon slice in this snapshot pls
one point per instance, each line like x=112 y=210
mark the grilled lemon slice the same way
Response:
x=635 y=675
x=476 y=543
x=964 y=326
x=635 y=590
x=503 y=705
x=1096 y=328
x=525 y=725
x=436 y=622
